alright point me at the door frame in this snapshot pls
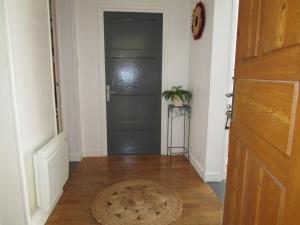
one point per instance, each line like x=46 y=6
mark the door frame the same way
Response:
x=56 y=69
x=101 y=69
x=234 y=24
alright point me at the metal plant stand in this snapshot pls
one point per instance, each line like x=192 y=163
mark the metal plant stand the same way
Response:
x=175 y=112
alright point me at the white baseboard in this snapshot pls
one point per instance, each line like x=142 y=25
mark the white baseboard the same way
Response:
x=92 y=153
x=163 y=152
x=213 y=177
x=199 y=169
x=40 y=217
x=75 y=157
x=205 y=175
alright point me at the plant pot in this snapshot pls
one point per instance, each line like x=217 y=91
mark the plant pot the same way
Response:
x=177 y=101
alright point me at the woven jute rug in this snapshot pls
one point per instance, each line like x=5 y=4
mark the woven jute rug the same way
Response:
x=137 y=202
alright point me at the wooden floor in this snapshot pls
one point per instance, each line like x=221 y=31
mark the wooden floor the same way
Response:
x=201 y=206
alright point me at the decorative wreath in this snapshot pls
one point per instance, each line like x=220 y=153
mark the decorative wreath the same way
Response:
x=198 y=22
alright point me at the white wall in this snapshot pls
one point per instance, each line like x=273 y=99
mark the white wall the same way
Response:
x=90 y=50
x=31 y=73
x=220 y=76
x=199 y=83
x=68 y=75
x=210 y=72
x=11 y=204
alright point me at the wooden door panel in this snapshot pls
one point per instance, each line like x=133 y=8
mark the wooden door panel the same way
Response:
x=254 y=196
x=263 y=104
x=252 y=192
x=286 y=66
x=292 y=205
x=235 y=182
x=279 y=19
x=271 y=200
x=248 y=28
x=266 y=153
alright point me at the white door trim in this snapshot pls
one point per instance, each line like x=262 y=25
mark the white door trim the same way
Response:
x=101 y=68
x=234 y=23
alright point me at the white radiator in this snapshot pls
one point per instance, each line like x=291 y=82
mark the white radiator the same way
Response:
x=51 y=165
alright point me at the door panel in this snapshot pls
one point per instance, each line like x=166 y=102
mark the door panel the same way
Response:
x=257 y=178
x=133 y=48
x=278 y=22
x=252 y=190
x=132 y=141
x=278 y=65
x=262 y=104
x=133 y=108
x=271 y=200
x=264 y=152
x=248 y=29
x=235 y=182
x=132 y=31
x=134 y=72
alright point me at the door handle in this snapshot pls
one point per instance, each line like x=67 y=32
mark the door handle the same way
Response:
x=108 y=93
x=229 y=95
x=228 y=116
x=229 y=111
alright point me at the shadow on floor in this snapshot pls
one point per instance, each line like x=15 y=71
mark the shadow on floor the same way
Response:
x=219 y=189
x=72 y=165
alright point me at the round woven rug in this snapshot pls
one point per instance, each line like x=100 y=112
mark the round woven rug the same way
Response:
x=137 y=202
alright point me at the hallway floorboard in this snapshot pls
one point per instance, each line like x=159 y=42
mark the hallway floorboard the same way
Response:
x=201 y=206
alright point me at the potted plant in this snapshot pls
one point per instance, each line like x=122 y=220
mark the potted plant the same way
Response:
x=178 y=95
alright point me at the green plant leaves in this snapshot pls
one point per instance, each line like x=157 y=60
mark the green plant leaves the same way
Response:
x=184 y=95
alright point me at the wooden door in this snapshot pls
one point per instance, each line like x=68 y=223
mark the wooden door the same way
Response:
x=263 y=185
x=133 y=49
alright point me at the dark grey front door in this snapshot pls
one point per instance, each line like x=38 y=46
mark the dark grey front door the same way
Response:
x=133 y=55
